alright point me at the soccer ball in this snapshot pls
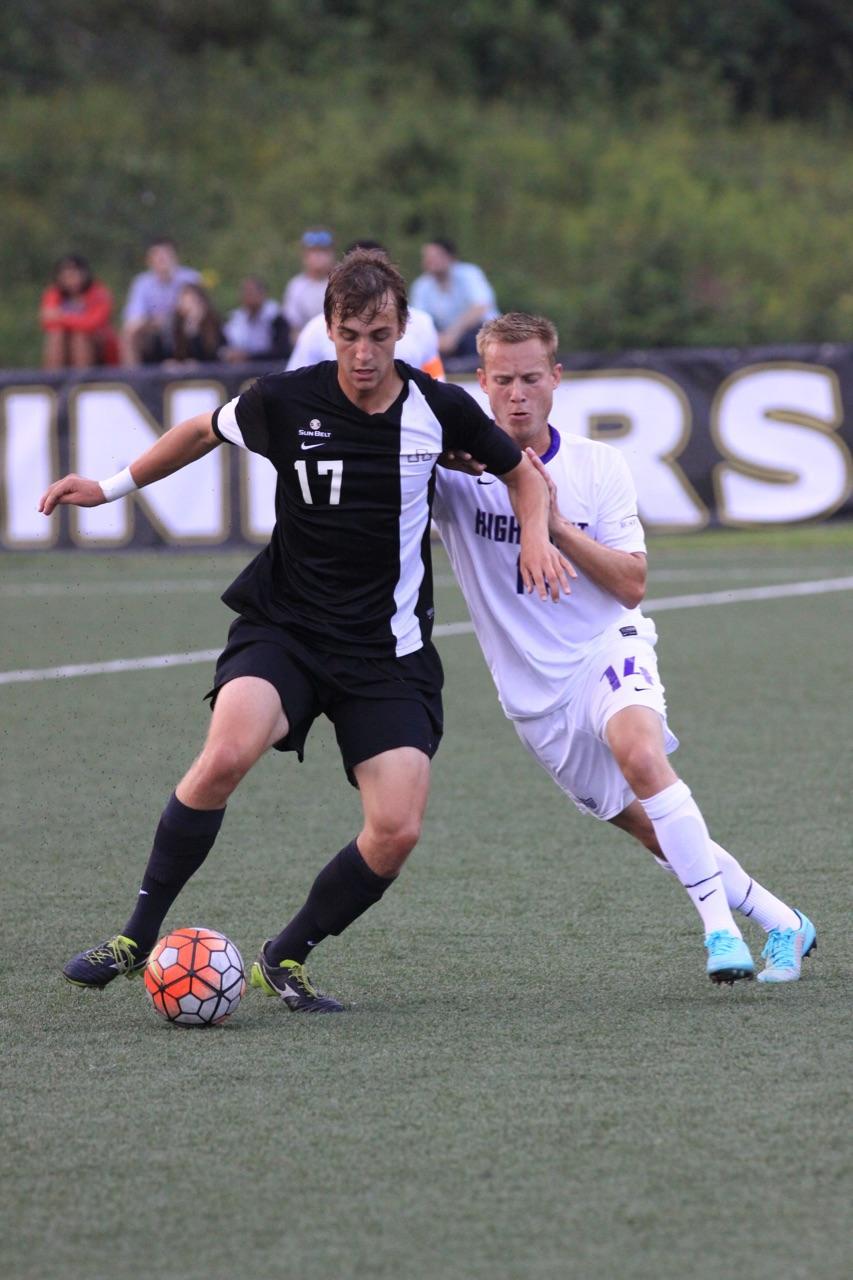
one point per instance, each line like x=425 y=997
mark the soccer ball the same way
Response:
x=195 y=977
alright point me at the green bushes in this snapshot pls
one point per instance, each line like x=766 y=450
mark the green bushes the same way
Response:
x=667 y=220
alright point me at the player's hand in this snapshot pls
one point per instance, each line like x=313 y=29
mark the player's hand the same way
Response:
x=457 y=460
x=554 y=514
x=74 y=491
x=542 y=566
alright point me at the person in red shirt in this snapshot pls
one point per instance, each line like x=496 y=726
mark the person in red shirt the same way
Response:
x=75 y=316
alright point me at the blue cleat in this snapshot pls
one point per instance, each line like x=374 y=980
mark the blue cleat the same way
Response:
x=99 y=965
x=786 y=949
x=728 y=957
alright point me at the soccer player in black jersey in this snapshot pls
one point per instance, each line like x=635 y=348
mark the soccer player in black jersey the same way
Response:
x=334 y=615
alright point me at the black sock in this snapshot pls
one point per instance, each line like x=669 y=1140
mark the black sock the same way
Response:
x=183 y=840
x=343 y=891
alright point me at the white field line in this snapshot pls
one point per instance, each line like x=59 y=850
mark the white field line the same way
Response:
x=737 y=596
x=782 y=591
x=177 y=586
x=37 y=590
x=117 y=665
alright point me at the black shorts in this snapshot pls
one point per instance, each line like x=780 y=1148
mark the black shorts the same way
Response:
x=375 y=704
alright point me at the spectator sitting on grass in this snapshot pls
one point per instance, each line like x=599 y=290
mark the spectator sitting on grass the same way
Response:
x=75 y=316
x=304 y=294
x=197 y=336
x=456 y=294
x=150 y=306
x=256 y=330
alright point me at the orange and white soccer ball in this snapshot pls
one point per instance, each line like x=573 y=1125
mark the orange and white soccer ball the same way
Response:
x=195 y=977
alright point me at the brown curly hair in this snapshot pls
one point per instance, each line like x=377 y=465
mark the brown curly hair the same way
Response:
x=359 y=285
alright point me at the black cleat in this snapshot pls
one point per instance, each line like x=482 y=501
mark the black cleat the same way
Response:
x=99 y=965
x=289 y=981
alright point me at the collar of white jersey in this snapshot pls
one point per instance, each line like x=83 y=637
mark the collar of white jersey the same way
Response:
x=551 y=451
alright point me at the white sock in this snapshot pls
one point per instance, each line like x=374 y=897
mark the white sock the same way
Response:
x=746 y=895
x=684 y=840
x=750 y=898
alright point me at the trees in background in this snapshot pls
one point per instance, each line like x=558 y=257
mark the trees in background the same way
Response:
x=658 y=173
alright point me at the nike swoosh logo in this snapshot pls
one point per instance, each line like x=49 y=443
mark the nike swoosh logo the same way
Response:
x=641 y=688
x=491 y=480
x=703 y=896
x=313 y=446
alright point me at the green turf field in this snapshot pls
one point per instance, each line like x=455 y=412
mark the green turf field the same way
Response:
x=534 y=1078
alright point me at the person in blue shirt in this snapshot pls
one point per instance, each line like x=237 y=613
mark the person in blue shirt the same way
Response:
x=151 y=301
x=456 y=294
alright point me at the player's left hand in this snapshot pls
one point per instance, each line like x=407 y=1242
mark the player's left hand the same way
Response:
x=542 y=566
x=458 y=460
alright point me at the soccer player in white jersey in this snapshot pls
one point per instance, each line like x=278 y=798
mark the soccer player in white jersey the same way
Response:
x=418 y=346
x=580 y=680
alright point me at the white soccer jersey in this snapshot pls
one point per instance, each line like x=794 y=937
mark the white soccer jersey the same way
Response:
x=535 y=648
x=418 y=345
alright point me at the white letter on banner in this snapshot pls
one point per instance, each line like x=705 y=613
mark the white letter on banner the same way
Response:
x=647 y=417
x=28 y=463
x=109 y=427
x=775 y=426
x=257 y=496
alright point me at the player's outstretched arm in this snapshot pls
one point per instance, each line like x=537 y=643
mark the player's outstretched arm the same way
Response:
x=540 y=563
x=176 y=448
x=621 y=573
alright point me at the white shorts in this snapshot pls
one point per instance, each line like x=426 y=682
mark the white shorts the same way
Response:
x=570 y=742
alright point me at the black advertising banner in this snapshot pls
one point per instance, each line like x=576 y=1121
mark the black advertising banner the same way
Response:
x=744 y=438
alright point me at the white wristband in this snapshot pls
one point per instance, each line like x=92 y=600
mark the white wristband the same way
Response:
x=119 y=485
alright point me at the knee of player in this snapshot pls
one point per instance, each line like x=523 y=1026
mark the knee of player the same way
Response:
x=396 y=839
x=225 y=763
x=644 y=766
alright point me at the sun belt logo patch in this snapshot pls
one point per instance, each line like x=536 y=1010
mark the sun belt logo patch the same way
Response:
x=314 y=430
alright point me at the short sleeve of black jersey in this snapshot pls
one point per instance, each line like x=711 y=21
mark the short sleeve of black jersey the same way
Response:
x=466 y=426
x=249 y=411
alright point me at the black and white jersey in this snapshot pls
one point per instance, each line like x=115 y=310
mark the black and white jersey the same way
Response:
x=348 y=563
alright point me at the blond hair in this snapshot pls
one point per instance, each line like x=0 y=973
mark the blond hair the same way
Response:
x=518 y=326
